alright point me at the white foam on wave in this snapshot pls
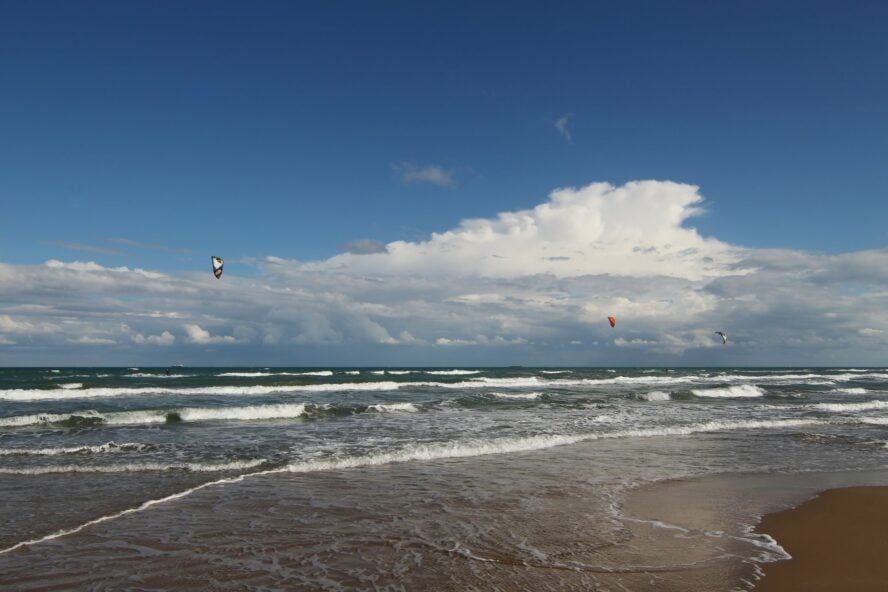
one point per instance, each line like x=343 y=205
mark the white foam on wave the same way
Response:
x=399 y=372
x=655 y=396
x=261 y=374
x=250 y=412
x=43 y=418
x=137 y=468
x=850 y=391
x=879 y=421
x=739 y=390
x=71 y=385
x=100 y=392
x=554 y=371
x=842 y=407
x=475 y=382
x=155 y=416
x=452 y=372
x=397 y=407
x=352 y=372
x=150 y=375
x=108 y=447
x=524 y=396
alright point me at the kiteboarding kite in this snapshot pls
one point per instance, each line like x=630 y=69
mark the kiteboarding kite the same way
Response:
x=217 y=266
x=612 y=321
x=723 y=336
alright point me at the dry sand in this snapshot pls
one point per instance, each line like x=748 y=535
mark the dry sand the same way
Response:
x=838 y=542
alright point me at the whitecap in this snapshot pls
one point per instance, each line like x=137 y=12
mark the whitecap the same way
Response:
x=524 y=396
x=842 y=407
x=397 y=407
x=655 y=396
x=738 y=390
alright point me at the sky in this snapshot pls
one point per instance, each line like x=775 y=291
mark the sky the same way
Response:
x=433 y=184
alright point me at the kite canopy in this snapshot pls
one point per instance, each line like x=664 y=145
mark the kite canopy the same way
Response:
x=723 y=336
x=217 y=266
x=612 y=320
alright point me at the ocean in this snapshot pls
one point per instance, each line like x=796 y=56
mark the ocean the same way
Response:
x=419 y=478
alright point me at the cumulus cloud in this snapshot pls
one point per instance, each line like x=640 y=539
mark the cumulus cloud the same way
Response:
x=201 y=336
x=596 y=229
x=411 y=173
x=528 y=286
x=165 y=339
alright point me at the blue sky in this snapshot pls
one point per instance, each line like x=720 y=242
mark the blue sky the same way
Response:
x=149 y=135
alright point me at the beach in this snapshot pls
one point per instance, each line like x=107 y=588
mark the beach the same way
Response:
x=837 y=541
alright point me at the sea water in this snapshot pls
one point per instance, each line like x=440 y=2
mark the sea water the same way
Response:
x=418 y=478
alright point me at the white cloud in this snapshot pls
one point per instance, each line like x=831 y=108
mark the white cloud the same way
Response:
x=201 y=336
x=634 y=230
x=87 y=340
x=165 y=339
x=432 y=174
x=11 y=325
x=561 y=126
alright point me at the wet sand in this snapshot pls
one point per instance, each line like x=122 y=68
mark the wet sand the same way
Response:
x=838 y=541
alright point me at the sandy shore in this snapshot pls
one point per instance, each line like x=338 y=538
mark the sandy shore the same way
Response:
x=838 y=541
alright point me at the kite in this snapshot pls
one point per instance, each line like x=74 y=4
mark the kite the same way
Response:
x=217 y=266
x=723 y=336
x=612 y=320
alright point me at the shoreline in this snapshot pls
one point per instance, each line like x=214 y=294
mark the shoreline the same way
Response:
x=836 y=541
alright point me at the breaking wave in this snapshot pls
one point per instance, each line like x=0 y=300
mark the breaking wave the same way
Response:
x=739 y=390
x=655 y=396
x=387 y=407
x=841 y=407
x=524 y=396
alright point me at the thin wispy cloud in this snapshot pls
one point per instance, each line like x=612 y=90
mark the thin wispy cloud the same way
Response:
x=148 y=246
x=410 y=173
x=85 y=248
x=561 y=126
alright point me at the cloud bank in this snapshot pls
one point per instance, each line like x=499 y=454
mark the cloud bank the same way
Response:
x=524 y=287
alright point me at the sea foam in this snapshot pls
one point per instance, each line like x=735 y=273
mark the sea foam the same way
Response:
x=739 y=390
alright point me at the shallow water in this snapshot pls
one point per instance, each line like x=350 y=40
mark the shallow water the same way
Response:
x=410 y=478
